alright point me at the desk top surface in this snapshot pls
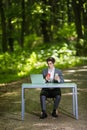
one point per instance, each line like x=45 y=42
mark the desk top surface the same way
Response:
x=49 y=85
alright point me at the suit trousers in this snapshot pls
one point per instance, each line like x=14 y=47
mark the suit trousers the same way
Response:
x=49 y=94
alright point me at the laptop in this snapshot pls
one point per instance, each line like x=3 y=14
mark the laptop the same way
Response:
x=37 y=78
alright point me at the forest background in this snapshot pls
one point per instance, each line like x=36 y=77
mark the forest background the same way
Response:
x=32 y=30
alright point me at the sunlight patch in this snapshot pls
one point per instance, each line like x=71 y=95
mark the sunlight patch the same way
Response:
x=10 y=94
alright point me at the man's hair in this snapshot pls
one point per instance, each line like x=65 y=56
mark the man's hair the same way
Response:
x=50 y=59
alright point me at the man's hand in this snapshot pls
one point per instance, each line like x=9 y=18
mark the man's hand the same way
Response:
x=48 y=77
x=57 y=77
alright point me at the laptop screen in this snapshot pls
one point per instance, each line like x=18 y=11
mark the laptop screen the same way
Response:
x=37 y=78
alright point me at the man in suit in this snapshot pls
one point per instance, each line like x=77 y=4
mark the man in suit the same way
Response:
x=51 y=74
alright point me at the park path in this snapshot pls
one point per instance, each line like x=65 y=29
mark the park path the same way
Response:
x=10 y=119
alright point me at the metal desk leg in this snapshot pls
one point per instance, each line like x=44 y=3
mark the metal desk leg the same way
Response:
x=23 y=104
x=76 y=103
x=73 y=101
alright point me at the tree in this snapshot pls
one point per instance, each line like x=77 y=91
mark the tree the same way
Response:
x=80 y=11
x=77 y=11
x=3 y=25
x=84 y=15
x=10 y=28
x=69 y=12
x=22 y=23
x=45 y=23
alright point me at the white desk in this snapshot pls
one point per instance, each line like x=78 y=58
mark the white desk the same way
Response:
x=72 y=86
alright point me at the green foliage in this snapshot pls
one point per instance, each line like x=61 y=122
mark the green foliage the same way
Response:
x=67 y=31
x=31 y=41
x=14 y=66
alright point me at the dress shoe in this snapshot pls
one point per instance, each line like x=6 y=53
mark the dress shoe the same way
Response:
x=43 y=115
x=54 y=114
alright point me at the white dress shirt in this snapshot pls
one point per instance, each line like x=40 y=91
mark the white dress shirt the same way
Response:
x=51 y=72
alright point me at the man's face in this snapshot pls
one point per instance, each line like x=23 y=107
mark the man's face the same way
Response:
x=50 y=64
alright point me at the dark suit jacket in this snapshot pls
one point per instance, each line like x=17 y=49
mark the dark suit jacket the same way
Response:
x=58 y=71
x=52 y=91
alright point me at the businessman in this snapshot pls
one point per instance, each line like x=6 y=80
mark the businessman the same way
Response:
x=51 y=75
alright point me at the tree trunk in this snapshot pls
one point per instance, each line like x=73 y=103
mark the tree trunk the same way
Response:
x=84 y=13
x=69 y=12
x=10 y=31
x=22 y=23
x=45 y=24
x=10 y=36
x=3 y=24
x=46 y=37
x=77 y=12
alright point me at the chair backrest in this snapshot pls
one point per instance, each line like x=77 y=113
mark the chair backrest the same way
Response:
x=37 y=78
